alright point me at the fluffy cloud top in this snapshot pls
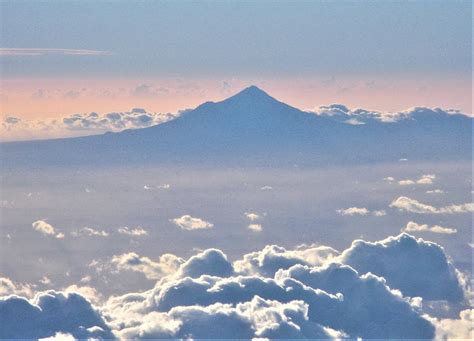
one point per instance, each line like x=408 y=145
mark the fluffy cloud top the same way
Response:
x=131 y=261
x=49 y=313
x=456 y=329
x=367 y=299
x=309 y=292
x=273 y=258
x=46 y=229
x=211 y=262
x=186 y=222
x=414 y=206
x=415 y=227
x=416 y=267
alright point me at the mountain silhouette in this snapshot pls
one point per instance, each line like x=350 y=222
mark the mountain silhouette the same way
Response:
x=253 y=128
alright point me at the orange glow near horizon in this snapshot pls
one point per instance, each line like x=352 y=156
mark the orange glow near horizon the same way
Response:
x=49 y=98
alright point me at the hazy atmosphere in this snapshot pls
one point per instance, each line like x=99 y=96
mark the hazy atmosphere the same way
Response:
x=236 y=170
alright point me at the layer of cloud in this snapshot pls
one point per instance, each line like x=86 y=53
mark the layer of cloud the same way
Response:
x=80 y=124
x=341 y=113
x=371 y=290
x=359 y=306
x=415 y=227
x=186 y=222
x=414 y=206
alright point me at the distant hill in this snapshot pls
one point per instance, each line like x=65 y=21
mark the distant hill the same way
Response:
x=252 y=128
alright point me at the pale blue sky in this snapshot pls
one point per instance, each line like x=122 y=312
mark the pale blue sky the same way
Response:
x=258 y=38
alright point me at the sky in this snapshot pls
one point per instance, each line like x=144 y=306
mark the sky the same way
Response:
x=68 y=57
x=244 y=219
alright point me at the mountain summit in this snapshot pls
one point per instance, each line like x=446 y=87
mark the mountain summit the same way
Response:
x=253 y=128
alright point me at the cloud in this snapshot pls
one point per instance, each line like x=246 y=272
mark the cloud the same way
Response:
x=90 y=232
x=414 y=266
x=186 y=222
x=425 y=179
x=252 y=216
x=415 y=227
x=456 y=329
x=381 y=316
x=414 y=206
x=59 y=337
x=87 y=292
x=371 y=290
x=166 y=265
x=136 y=232
x=406 y=182
x=33 y=52
x=351 y=211
x=49 y=313
x=80 y=124
x=9 y=287
x=341 y=113
x=365 y=299
x=273 y=258
x=379 y=213
x=45 y=280
x=435 y=191
x=46 y=229
x=255 y=227
x=257 y=318
x=211 y=262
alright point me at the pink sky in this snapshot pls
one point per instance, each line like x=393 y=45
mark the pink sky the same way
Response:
x=49 y=98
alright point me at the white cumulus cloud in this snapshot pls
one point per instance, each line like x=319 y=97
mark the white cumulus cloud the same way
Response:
x=414 y=206
x=186 y=222
x=415 y=227
x=47 y=229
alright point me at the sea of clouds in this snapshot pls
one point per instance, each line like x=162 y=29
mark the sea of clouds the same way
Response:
x=370 y=290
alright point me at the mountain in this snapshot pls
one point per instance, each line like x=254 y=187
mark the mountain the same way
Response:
x=253 y=128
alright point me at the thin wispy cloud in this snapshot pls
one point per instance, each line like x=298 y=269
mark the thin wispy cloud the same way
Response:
x=362 y=211
x=33 y=52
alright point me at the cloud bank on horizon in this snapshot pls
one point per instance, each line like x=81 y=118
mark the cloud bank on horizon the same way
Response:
x=372 y=289
x=14 y=128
